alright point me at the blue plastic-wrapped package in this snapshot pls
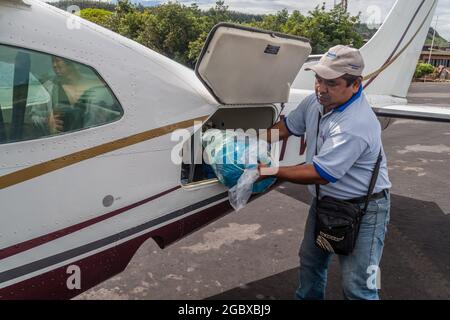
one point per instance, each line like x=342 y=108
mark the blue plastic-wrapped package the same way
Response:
x=230 y=153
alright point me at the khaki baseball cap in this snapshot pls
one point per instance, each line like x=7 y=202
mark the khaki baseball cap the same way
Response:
x=338 y=61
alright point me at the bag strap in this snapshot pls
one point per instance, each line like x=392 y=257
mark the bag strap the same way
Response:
x=319 y=117
x=373 y=180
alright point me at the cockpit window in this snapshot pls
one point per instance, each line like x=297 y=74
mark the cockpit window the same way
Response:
x=43 y=95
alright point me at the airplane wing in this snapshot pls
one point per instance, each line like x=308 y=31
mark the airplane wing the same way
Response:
x=415 y=112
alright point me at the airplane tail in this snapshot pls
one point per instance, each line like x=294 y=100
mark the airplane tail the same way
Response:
x=392 y=53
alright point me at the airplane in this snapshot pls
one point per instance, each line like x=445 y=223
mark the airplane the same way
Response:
x=86 y=127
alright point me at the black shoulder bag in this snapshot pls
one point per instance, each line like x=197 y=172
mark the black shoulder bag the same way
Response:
x=338 y=221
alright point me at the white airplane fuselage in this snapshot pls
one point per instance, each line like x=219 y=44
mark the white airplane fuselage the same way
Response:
x=92 y=197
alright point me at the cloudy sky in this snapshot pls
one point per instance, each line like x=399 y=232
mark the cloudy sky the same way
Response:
x=370 y=9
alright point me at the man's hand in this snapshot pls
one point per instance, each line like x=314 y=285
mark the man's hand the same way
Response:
x=266 y=172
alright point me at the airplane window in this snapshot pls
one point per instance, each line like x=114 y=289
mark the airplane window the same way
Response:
x=43 y=95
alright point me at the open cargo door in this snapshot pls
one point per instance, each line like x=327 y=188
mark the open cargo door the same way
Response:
x=241 y=65
x=248 y=71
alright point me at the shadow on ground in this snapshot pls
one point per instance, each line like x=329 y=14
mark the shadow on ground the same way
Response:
x=415 y=264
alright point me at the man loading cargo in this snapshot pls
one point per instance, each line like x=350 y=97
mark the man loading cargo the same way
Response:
x=344 y=148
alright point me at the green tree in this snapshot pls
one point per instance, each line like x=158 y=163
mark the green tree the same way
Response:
x=219 y=13
x=203 y=25
x=294 y=24
x=101 y=17
x=423 y=69
x=122 y=8
x=132 y=24
x=180 y=31
x=273 y=22
x=169 y=28
x=126 y=19
x=195 y=47
x=324 y=28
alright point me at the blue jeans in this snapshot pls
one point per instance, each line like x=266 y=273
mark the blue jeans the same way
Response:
x=360 y=271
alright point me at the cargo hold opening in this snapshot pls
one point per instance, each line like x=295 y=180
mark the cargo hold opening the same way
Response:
x=194 y=171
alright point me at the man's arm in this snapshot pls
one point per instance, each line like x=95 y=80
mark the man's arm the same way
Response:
x=301 y=174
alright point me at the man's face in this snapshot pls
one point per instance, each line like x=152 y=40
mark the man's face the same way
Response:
x=335 y=92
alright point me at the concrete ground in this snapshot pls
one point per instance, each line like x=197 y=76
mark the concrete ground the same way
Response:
x=253 y=254
x=430 y=93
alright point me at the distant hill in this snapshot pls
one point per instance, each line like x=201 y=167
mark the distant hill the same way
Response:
x=144 y=3
x=245 y=17
x=439 y=41
x=84 y=4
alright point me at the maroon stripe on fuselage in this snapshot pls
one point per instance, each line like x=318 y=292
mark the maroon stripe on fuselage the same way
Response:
x=103 y=265
x=29 y=244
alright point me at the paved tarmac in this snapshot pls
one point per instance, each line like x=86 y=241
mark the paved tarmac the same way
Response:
x=429 y=93
x=253 y=254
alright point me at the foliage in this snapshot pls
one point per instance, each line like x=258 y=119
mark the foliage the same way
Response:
x=439 y=41
x=364 y=30
x=101 y=17
x=179 y=31
x=241 y=17
x=170 y=28
x=423 y=69
x=324 y=28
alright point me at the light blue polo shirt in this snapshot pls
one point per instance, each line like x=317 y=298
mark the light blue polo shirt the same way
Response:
x=348 y=146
